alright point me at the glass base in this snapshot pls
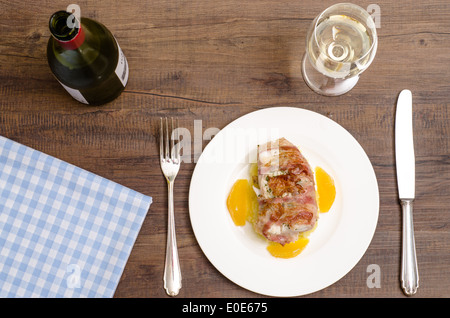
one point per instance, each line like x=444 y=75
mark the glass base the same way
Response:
x=325 y=85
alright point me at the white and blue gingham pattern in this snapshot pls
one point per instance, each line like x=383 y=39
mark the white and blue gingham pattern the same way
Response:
x=64 y=232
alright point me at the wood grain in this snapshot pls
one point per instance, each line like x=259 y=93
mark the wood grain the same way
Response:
x=216 y=61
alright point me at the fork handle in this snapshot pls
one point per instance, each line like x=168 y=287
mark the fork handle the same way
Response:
x=172 y=272
x=410 y=274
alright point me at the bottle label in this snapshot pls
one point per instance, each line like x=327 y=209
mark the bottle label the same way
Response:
x=122 y=67
x=75 y=94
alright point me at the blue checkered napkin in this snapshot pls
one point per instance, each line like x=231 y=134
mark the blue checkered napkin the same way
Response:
x=64 y=232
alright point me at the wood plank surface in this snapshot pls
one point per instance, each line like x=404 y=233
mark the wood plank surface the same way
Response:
x=214 y=61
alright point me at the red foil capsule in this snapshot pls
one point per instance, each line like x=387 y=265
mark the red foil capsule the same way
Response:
x=74 y=43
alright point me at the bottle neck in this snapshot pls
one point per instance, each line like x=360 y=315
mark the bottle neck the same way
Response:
x=66 y=30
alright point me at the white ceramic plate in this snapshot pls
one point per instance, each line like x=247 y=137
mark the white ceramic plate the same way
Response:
x=342 y=235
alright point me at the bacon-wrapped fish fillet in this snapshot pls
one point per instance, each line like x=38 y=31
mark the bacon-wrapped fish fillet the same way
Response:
x=287 y=203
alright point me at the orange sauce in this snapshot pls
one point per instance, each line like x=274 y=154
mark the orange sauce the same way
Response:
x=326 y=190
x=242 y=203
x=288 y=250
x=292 y=249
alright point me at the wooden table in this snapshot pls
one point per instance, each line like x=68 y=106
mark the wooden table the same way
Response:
x=214 y=61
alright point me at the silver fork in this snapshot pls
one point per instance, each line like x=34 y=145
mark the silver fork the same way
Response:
x=170 y=165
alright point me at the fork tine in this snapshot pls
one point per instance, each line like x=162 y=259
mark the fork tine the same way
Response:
x=172 y=149
x=166 y=149
x=161 y=140
x=178 y=142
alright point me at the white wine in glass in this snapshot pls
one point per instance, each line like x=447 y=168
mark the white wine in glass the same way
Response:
x=340 y=44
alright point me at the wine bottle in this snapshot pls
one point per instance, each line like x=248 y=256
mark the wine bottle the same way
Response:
x=86 y=59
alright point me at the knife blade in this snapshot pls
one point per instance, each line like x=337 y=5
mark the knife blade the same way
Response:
x=404 y=146
x=405 y=165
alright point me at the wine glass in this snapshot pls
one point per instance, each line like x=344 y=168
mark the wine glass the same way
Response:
x=340 y=44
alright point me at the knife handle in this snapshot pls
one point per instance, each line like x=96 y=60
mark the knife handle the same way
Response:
x=410 y=274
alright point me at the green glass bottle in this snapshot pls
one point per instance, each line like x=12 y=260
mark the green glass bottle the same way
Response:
x=86 y=59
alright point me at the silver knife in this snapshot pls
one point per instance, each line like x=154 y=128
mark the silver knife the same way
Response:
x=405 y=162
